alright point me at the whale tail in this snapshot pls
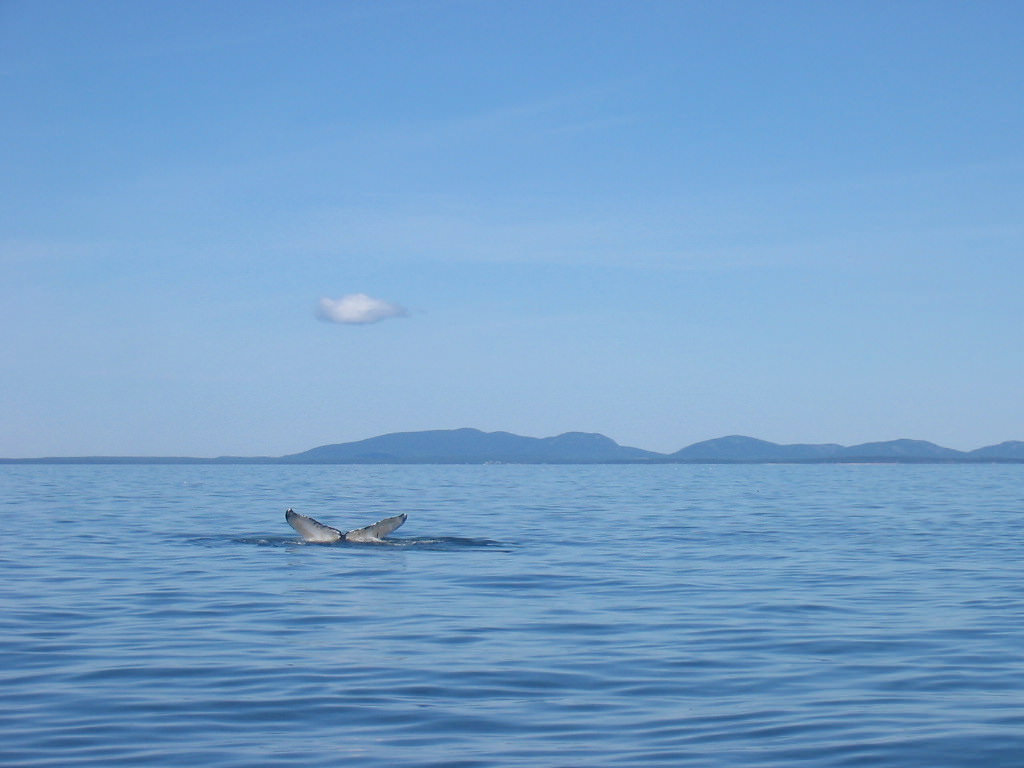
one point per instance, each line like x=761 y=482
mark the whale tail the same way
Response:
x=377 y=531
x=312 y=530
x=316 y=532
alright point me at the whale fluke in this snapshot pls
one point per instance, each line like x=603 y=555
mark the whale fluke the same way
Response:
x=316 y=532
x=312 y=530
x=377 y=531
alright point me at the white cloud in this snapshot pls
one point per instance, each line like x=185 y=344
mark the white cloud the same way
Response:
x=357 y=309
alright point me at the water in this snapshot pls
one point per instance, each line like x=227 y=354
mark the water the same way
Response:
x=524 y=616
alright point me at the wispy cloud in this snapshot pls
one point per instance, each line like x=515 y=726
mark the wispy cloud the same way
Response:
x=357 y=309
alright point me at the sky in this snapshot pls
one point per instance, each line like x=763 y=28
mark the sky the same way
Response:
x=251 y=228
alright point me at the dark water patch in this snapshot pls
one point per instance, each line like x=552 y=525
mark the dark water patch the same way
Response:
x=428 y=543
x=446 y=543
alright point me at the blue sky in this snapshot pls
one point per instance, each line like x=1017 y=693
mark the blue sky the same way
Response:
x=662 y=221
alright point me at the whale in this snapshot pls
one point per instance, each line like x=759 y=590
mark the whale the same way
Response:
x=316 y=532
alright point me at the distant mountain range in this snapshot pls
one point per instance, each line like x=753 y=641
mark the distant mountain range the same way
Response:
x=471 y=446
x=738 y=448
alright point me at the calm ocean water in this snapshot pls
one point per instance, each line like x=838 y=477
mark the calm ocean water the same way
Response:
x=524 y=616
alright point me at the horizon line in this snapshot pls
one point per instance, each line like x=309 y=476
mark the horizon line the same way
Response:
x=656 y=456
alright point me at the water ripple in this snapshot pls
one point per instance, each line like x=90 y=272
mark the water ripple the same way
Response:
x=605 y=616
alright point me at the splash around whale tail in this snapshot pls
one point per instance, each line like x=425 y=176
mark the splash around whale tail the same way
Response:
x=316 y=532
